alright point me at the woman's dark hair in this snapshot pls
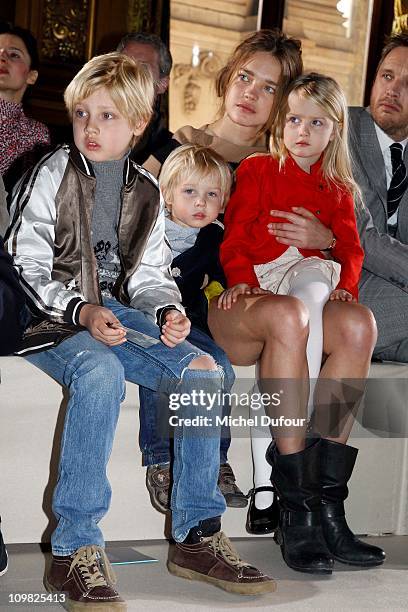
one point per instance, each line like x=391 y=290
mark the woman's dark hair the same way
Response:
x=27 y=38
x=287 y=51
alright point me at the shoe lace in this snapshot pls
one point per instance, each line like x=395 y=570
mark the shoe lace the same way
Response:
x=222 y=545
x=94 y=566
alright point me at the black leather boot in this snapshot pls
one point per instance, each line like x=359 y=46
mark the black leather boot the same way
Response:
x=296 y=478
x=337 y=463
x=262 y=521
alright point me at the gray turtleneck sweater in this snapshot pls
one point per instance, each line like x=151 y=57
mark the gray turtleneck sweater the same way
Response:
x=105 y=218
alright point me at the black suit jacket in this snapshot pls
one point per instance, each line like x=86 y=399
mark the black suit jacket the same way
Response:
x=11 y=305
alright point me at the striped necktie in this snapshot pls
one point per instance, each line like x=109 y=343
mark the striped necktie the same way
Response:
x=399 y=179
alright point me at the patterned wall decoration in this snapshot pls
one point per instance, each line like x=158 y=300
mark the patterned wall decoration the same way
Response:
x=400 y=23
x=192 y=78
x=147 y=15
x=65 y=34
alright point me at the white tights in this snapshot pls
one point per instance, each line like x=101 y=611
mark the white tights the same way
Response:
x=313 y=289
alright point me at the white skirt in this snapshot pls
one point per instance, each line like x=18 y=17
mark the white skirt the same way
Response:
x=276 y=276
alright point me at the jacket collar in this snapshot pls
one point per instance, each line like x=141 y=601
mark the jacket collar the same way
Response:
x=84 y=165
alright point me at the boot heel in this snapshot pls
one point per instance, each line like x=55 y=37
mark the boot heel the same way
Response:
x=337 y=464
x=278 y=537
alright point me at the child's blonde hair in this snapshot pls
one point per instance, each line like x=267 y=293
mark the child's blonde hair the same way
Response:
x=327 y=93
x=129 y=83
x=191 y=160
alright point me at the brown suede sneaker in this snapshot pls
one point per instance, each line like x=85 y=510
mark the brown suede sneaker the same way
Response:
x=233 y=495
x=86 y=578
x=158 y=483
x=158 y=480
x=214 y=560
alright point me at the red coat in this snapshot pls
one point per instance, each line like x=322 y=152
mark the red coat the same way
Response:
x=260 y=187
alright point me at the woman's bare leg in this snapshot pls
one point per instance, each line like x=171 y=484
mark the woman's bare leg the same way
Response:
x=272 y=330
x=350 y=335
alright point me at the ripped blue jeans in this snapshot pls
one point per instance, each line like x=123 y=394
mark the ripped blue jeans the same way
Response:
x=153 y=410
x=95 y=377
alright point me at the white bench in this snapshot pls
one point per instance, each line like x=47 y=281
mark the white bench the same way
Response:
x=30 y=404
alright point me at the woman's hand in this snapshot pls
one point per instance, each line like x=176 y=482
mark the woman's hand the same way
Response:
x=175 y=328
x=230 y=296
x=342 y=295
x=303 y=229
x=102 y=324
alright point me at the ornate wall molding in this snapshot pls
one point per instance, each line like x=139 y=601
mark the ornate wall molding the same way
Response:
x=65 y=30
x=400 y=23
x=189 y=78
x=145 y=15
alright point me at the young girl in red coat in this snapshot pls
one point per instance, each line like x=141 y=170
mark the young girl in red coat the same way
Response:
x=309 y=166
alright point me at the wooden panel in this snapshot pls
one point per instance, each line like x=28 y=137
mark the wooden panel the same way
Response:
x=381 y=24
x=272 y=13
x=69 y=33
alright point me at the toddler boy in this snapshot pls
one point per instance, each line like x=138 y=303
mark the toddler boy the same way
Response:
x=195 y=182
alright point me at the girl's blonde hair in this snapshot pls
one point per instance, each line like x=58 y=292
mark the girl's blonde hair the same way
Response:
x=129 y=83
x=326 y=93
x=287 y=51
x=191 y=160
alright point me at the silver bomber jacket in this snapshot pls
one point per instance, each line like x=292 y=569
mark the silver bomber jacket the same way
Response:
x=50 y=241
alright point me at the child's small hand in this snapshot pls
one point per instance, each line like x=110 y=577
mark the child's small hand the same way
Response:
x=230 y=296
x=175 y=329
x=342 y=295
x=102 y=324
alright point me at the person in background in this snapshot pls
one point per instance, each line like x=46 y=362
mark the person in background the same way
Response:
x=11 y=323
x=22 y=139
x=12 y=311
x=378 y=142
x=150 y=50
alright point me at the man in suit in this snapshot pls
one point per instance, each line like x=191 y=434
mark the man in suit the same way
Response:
x=378 y=139
x=12 y=311
x=12 y=319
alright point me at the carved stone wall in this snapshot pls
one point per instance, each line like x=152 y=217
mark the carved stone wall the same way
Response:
x=329 y=46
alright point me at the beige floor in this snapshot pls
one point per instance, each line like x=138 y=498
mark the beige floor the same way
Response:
x=149 y=587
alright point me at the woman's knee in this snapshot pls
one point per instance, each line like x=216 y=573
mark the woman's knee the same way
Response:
x=356 y=327
x=285 y=317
